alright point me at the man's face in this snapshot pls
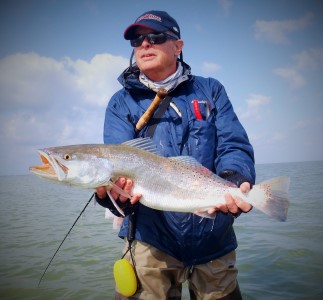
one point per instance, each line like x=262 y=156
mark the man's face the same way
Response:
x=157 y=61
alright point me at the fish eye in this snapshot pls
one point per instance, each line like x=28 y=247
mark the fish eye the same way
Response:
x=67 y=156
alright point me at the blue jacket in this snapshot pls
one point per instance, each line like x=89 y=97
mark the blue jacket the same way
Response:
x=218 y=141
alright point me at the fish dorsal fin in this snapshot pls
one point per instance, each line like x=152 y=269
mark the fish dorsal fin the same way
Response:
x=146 y=144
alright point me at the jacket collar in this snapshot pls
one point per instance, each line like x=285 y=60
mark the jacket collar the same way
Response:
x=129 y=78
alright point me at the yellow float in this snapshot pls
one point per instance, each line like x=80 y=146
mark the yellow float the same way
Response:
x=125 y=277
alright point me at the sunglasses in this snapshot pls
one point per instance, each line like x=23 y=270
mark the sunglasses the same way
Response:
x=153 y=38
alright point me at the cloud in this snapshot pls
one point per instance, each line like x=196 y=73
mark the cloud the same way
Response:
x=225 y=5
x=277 y=31
x=28 y=80
x=210 y=68
x=96 y=79
x=293 y=77
x=307 y=60
x=278 y=136
x=311 y=124
x=32 y=81
x=300 y=140
x=46 y=102
x=254 y=104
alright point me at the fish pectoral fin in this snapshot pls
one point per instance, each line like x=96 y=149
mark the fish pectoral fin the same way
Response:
x=205 y=214
x=119 y=190
x=118 y=208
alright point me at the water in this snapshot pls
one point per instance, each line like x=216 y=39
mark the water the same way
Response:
x=275 y=260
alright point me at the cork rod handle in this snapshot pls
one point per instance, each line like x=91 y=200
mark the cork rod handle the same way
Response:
x=151 y=109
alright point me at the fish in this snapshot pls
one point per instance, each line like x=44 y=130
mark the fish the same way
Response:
x=177 y=184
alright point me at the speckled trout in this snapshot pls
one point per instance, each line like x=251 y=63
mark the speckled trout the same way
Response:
x=178 y=184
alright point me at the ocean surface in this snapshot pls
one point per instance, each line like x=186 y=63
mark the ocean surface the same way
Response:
x=275 y=260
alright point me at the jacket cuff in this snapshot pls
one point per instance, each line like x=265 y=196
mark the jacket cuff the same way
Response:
x=127 y=207
x=234 y=177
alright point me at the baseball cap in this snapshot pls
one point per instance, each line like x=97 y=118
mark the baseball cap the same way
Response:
x=159 y=21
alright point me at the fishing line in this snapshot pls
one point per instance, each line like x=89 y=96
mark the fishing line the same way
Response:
x=65 y=238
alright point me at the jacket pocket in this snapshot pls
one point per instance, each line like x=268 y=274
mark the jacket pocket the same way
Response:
x=203 y=141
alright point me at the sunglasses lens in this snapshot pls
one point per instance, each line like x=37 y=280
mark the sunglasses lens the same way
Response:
x=138 y=41
x=157 y=38
x=153 y=38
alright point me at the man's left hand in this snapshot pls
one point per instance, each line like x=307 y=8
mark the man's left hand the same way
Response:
x=234 y=204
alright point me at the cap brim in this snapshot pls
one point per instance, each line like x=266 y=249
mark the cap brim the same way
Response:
x=130 y=32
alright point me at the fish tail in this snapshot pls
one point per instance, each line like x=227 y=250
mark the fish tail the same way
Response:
x=276 y=197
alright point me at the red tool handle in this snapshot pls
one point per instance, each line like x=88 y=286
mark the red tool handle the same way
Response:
x=197 y=110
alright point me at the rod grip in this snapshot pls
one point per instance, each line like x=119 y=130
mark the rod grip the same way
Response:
x=131 y=227
x=151 y=109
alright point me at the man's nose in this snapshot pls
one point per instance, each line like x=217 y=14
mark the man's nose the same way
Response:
x=145 y=43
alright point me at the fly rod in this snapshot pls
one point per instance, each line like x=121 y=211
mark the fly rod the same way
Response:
x=65 y=239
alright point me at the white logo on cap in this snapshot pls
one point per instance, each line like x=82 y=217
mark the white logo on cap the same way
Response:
x=149 y=17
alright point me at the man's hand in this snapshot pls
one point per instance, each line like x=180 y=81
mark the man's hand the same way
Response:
x=124 y=183
x=234 y=204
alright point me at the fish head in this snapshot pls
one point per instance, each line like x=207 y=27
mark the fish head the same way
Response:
x=79 y=165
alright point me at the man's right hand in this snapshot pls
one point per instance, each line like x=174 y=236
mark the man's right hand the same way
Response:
x=124 y=183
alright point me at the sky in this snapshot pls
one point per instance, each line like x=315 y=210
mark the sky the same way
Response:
x=59 y=63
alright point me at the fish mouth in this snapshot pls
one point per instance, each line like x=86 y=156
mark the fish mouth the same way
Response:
x=51 y=168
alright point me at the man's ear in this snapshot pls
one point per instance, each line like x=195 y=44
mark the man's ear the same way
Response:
x=179 y=46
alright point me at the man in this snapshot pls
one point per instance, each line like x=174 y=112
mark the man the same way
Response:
x=169 y=247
